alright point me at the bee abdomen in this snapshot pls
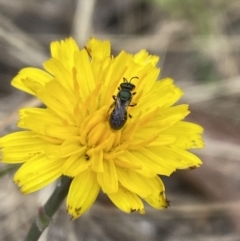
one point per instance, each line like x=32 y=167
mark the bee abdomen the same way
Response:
x=117 y=121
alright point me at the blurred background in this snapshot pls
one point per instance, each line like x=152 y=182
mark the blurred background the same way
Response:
x=199 y=45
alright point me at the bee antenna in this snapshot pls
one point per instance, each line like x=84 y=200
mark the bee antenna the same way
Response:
x=124 y=79
x=134 y=77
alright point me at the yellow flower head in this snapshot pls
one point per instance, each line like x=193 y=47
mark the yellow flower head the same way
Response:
x=108 y=124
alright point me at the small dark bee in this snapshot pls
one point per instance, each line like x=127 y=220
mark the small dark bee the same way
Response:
x=119 y=115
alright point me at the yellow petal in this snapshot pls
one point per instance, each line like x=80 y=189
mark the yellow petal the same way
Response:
x=127 y=164
x=157 y=200
x=143 y=57
x=185 y=127
x=176 y=157
x=44 y=122
x=37 y=173
x=135 y=182
x=96 y=158
x=83 y=192
x=167 y=117
x=31 y=74
x=60 y=73
x=98 y=49
x=51 y=100
x=71 y=147
x=163 y=93
x=65 y=99
x=21 y=146
x=108 y=180
x=154 y=161
x=75 y=164
x=130 y=157
x=148 y=75
x=84 y=74
x=127 y=201
x=64 y=51
x=188 y=135
x=163 y=140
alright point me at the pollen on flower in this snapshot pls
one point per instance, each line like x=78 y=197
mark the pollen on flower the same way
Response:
x=92 y=130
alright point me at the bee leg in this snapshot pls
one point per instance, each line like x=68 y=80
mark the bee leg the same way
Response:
x=129 y=116
x=134 y=93
x=111 y=106
x=133 y=104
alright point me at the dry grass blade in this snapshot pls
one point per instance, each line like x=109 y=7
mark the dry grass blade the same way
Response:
x=19 y=46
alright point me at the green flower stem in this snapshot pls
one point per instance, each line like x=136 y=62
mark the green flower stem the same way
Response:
x=46 y=212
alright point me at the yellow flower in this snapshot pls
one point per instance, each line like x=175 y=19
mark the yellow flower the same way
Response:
x=72 y=136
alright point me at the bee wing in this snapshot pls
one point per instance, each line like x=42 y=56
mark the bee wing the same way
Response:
x=121 y=107
x=118 y=104
x=125 y=105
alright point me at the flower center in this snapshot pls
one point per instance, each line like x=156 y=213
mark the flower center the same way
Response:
x=97 y=135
